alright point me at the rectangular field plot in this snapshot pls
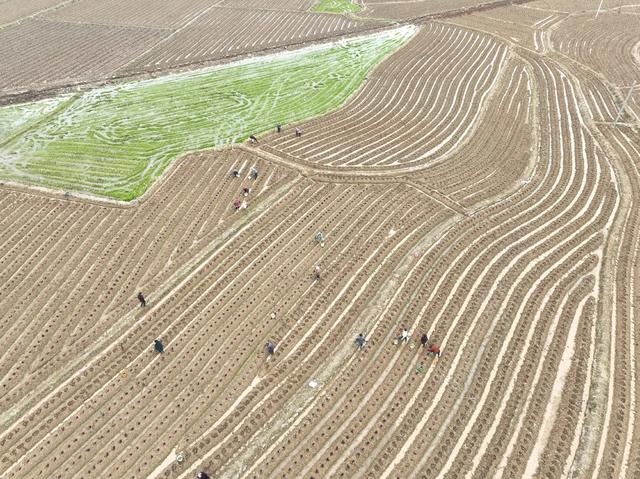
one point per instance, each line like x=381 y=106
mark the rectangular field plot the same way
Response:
x=222 y=32
x=115 y=140
x=41 y=53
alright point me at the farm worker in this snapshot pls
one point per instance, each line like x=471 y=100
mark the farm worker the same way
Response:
x=404 y=335
x=271 y=348
x=279 y=128
x=203 y=475
x=237 y=204
x=298 y=132
x=246 y=191
x=435 y=350
x=319 y=237
x=253 y=173
x=243 y=205
x=317 y=271
x=143 y=302
x=253 y=139
x=157 y=345
x=423 y=340
x=236 y=173
x=360 y=341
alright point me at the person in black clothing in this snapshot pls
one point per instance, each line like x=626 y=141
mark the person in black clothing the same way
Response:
x=203 y=475
x=423 y=340
x=157 y=345
x=271 y=348
x=143 y=302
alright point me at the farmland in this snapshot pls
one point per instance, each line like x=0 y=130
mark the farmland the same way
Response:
x=337 y=6
x=114 y=141
x=475 y=182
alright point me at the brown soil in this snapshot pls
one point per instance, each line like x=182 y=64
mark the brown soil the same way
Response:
x=474 y=189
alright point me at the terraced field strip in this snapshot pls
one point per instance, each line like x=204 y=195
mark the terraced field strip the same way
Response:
x=496 y=160
x=606 y=44
x=416 y=109
x=114 y=141
x=587 y=201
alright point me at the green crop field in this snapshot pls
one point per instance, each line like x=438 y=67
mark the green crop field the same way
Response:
x=336 y=6
x=114 y=141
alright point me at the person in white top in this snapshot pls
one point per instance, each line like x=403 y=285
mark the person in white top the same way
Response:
x=404 y=336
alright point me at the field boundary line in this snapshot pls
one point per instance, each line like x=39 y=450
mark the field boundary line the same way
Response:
x=57 y=6
x=168 y=37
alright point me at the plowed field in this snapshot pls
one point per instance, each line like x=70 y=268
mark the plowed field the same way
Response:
x=476 y=189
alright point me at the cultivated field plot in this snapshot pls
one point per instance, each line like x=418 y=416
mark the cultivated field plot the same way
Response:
x=415 y=109
x=577 y=6
x=37 y=53
x=47 y=43
x=518 y=33
x=337 y=6
x=223 y=32
x=399 y=9
x=114 y=141
x=140 y=13
x=271 y=4
x=12 y=10
x=474 y=189
x=609 y=45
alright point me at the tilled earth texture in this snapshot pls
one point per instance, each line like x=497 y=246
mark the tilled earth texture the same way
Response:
x=477 y=182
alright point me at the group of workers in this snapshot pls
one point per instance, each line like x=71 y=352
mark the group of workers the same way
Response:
x=253 y=174
x=279 y=129
x=403 y=337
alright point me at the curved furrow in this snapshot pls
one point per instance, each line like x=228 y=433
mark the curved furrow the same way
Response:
x=436 y=106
